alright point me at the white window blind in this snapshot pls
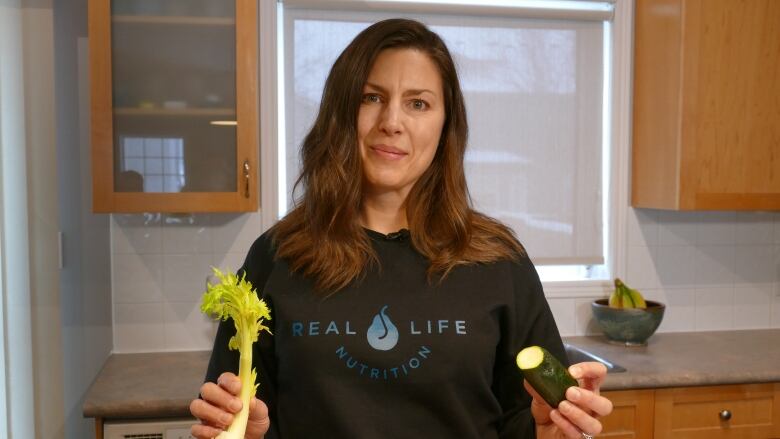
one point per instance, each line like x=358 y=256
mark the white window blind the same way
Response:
x=534 y=90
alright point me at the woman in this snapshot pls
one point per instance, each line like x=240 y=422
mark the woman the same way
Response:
x=397 y=309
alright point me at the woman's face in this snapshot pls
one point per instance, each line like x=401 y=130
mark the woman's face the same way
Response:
x=400 y=120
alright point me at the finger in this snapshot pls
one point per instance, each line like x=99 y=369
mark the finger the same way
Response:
x=209 y=414
x=259 y=422
x=566 y=427
x=589 y=374
x=583 y=421
x=200 y=431
x=230 y=382
x=537 y=398
x=219 y=397
x=537 y=402
x=258 y=411
x=539 y=407
x=590 y=401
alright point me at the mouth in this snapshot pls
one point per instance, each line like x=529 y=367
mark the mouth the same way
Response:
x=388 y=151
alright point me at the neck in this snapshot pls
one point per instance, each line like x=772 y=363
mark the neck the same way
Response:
x=384 y=213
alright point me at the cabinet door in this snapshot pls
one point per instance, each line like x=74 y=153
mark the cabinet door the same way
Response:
x=174 y=105
x=705 y=110
x=631 y=417
x=738 y=411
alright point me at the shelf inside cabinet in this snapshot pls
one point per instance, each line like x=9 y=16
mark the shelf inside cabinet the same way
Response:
x=133 y=111
x=173 y=20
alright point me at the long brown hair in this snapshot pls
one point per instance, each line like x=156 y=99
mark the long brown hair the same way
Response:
x=322 y=236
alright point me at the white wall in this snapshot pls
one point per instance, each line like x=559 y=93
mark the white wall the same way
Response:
x=18 y=403
x=43 y=220
x=33 y=376
x=85 y=282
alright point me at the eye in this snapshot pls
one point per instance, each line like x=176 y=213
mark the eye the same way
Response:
x=419 y=104
x=371 y=98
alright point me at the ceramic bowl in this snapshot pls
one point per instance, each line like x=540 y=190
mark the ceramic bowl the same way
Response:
x=629 y=326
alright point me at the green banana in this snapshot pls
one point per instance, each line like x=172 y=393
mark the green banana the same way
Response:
x=625 y=297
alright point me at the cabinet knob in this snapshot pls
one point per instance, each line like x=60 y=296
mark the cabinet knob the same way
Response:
x=725 y=415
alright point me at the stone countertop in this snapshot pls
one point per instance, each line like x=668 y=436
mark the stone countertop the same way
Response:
x=153 y=385
x=690 y=359
x=161 y=385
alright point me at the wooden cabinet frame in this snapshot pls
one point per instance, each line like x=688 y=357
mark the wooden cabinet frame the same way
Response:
x=105 y=198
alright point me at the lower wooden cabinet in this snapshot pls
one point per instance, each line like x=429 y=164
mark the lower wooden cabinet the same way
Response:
x=743 y=411
x=632 y=415
x=750 y=411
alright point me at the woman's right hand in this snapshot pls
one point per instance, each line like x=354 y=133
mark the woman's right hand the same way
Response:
x=218 y=406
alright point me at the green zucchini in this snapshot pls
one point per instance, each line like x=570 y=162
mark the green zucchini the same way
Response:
x=545 y=374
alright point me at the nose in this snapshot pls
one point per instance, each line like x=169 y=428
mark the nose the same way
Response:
x=390 y=119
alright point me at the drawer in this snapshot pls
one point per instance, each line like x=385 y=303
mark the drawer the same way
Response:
x=736 y=411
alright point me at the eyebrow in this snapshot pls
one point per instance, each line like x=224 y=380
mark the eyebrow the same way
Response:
x=412 y=92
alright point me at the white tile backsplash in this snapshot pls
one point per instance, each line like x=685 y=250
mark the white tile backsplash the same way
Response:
x=136 y=278
x=642 y=227
x=755 y=228
x=677 y=228
x=233 y=233
x=676 y=266
x=187 y=233
x=680 y=312
x=753 y=305
x=139 y=234
x=714 y=308
x=714 y=265
x=716 y=228
x=777 y=227
x=184 y=277
x=564 y=312
x=229 y=261
x=159 y=268
x=641 y=270
x=755 y=264
x=713 y=270
x=138 y=327
x=776 y=307
x=186 y=328
x=586 y=324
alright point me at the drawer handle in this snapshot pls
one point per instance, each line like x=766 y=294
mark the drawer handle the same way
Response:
x=725 y=415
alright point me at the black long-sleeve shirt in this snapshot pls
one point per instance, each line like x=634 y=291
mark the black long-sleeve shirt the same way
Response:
x=393 y=356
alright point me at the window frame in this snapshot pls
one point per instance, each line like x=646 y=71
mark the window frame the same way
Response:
x=618 y=160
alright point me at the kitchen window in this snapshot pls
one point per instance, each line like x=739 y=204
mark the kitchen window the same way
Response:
x=538 y=81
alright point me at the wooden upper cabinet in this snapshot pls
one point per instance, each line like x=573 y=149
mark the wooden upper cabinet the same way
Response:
x=174 y=104
x=706 y=117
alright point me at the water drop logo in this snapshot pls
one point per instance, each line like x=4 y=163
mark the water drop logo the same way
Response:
x=382 y=334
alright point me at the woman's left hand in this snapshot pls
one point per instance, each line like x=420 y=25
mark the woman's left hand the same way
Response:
x=578 y=413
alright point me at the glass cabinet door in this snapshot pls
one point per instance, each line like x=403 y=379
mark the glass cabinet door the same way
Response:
x=174 y=105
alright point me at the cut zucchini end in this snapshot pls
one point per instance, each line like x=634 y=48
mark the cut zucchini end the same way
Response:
x=530 y=358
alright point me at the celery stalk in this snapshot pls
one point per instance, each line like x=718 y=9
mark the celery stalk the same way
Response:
x=236 y=299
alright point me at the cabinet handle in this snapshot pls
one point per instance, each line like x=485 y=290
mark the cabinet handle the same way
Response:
x=246 y=178
x=725 y=415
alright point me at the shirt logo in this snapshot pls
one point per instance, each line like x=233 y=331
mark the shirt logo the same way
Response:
x=382 y=335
